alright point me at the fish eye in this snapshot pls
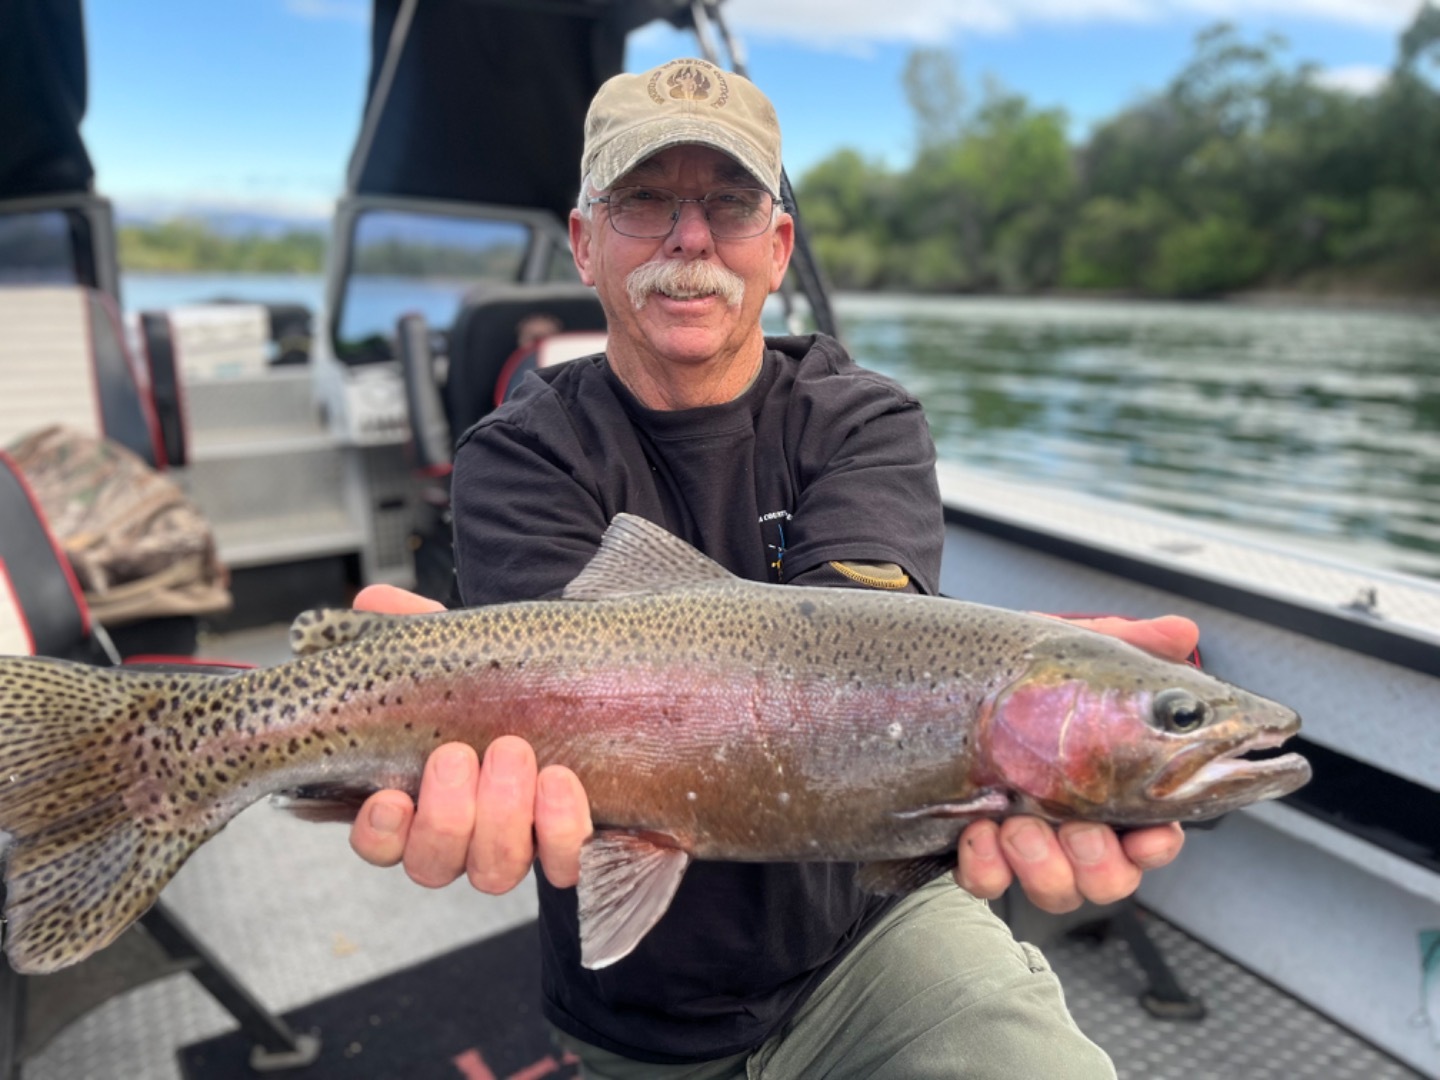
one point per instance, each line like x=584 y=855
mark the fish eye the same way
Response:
x=1179 y=710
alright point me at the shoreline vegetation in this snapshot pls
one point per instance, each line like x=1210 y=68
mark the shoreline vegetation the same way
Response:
x=1245 y=177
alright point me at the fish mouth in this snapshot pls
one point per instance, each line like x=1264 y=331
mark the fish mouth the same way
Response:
x=1232 y=777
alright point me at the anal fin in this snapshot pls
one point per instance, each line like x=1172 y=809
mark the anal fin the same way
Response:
x=897 y=877
x=627 y=880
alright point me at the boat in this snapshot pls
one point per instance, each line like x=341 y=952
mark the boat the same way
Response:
x=323 y=475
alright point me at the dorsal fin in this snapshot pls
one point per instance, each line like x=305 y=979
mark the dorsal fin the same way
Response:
x=313 y=631
x=637 y=556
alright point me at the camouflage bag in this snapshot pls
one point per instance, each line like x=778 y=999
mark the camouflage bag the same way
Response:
x=139 y=547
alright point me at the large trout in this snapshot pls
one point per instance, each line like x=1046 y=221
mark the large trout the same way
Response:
x=708 y=718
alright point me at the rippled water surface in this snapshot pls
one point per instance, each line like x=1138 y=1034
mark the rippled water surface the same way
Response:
x=1316 y=425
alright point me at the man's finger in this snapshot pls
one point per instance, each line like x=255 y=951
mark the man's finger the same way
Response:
x=1173 y=637
x=1103 y=872
x=503 y=846
x=1152 y=848
x=1040 y=864
x=445 y=817
x=388 y=600
x=562 y=824
x=379 y=831
x=983 y=871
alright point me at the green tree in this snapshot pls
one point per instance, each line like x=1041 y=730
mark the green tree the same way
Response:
x=936 y=94
x=999 y=194
x=186 y=245
x=1207 y=257
x=849 y=211
x=1246 y=170
x=1420 y=43
x=1113 y=242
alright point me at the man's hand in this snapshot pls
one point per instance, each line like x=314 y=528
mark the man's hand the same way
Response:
x=484 y=819
x=1081 y=861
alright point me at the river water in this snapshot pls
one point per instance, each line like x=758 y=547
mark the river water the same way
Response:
x=1317 y=426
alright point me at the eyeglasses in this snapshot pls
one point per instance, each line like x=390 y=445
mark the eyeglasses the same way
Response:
x=648 y=213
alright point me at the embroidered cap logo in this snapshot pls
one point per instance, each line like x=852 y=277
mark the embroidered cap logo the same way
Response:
x=688 y=83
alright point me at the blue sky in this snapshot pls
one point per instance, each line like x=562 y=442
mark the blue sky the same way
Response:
x=253 y=104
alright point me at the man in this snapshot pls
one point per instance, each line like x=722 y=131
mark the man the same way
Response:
x=786 y=463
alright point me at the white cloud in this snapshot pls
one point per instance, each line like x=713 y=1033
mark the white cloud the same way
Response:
x=1385 y=14
x=344 y=10
x=831 y=23
x=1360 y=79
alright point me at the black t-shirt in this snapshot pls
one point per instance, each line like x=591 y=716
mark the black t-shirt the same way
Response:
x=818 y=461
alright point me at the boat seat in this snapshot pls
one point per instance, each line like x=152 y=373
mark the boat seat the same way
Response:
x=42 y=609
x=42 y=612
x=489 y=329
x=547 y=352
x=430 y=446
x=63 y=360
x=157 y=337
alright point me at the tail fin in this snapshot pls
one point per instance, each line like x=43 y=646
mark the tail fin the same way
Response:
x=91 y=802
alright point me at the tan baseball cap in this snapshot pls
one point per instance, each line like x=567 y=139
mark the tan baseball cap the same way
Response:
x=683 y=102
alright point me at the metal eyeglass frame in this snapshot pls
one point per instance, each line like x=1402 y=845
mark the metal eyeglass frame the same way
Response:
x=679 y=203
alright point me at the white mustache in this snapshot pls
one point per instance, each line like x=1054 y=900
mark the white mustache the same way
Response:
x=684 y=281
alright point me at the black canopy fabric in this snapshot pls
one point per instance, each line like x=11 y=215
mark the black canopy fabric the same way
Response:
x=488 y=99
x=487 y=104
x=42 y=99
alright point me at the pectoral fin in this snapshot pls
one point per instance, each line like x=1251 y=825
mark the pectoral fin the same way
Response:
x=627 y=881
x=987 y=804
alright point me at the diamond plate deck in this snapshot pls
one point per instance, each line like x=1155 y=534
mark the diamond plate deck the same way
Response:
x=1252 y=1030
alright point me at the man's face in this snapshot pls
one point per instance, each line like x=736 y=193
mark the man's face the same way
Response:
x=695 y=329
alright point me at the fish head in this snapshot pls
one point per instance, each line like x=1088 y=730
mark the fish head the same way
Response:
x=1103 y=731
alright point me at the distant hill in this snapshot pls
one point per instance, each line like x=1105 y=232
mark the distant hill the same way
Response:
x=242 y=243
x=223 y=221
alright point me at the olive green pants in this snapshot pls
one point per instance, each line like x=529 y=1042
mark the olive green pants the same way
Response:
x=938 y=989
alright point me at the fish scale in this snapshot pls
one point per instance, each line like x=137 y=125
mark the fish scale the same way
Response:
x=707 y=717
